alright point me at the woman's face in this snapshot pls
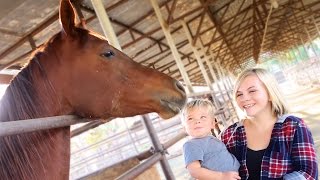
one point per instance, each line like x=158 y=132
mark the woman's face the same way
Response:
x=252 y=97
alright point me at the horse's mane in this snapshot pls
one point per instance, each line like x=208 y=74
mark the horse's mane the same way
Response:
x=21 y=101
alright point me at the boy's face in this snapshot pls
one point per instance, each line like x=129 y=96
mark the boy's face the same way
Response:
x=199 y=122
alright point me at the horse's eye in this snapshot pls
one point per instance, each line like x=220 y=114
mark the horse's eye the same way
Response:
x=107 y=54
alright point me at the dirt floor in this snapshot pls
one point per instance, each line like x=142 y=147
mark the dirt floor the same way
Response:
x=304 y=102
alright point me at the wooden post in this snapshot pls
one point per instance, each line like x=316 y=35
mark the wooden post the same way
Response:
x=174 y=50
x=105 y=23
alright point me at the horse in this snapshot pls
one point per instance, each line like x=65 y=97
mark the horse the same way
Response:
x=76 y=72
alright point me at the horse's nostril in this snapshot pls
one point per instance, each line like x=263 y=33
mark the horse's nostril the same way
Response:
x=180 y=87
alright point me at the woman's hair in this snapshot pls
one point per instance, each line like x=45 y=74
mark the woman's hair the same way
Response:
x=278 y=104
x=198 y=103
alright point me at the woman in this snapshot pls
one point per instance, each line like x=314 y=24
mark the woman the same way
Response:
x=269 y=144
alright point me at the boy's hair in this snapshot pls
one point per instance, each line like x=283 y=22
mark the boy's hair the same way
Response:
x=198 y=103
x=278 y=104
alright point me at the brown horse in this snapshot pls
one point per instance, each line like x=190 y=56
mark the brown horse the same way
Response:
x=76 y=72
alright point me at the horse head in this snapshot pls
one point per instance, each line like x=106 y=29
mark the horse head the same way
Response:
x=96 y=80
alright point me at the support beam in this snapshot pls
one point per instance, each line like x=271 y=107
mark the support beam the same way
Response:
x=32 y=42
x=158 y=147
x=197 y=55
x=219 y=29
x=171 y=12
x=38 y=29
x=167 y=34
x=281 y=24
x=8 y=128
x=194 y=41
x=105 y=23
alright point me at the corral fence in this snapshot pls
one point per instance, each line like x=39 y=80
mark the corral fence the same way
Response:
x=157 y=153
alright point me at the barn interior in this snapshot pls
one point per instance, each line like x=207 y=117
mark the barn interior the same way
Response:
x=198 y=42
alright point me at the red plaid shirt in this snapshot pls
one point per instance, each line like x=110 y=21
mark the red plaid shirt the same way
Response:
x=289 y=155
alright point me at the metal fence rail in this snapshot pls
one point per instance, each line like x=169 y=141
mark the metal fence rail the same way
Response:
x=31 y=125
x=23 y=126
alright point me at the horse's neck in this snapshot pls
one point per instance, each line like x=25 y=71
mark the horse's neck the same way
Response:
x=38 y=155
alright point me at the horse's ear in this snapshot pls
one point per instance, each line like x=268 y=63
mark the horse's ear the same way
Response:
x=67 y=17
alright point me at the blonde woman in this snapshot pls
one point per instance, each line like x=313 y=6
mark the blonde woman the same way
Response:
x=269 y=144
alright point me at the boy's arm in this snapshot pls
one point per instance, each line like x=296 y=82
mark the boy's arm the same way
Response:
x=201 y=173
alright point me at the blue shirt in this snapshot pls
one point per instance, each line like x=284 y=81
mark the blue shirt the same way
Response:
x=211 y=153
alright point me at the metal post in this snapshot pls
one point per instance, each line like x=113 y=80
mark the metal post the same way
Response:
x=105 y=23
x=315 y=24
x=158 y=147
x=311 y=44
x=226 y=89
x=229 y=81
x=197 y=55
x=200 y=62
x=229 y=85
x=304 y=47
x=212 y=72
x=218 y=84
x=173 y=48
x=314 y=51
x=24 y=126
x=300 y=54
x=306 y=50
x=129 y=134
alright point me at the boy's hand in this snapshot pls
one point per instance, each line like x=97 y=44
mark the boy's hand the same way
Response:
x=231 y=175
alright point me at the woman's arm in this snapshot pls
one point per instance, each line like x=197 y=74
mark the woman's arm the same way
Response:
x=303 y=154
x=201 y=173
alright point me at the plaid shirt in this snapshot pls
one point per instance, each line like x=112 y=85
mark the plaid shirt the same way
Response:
x=289 y=155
